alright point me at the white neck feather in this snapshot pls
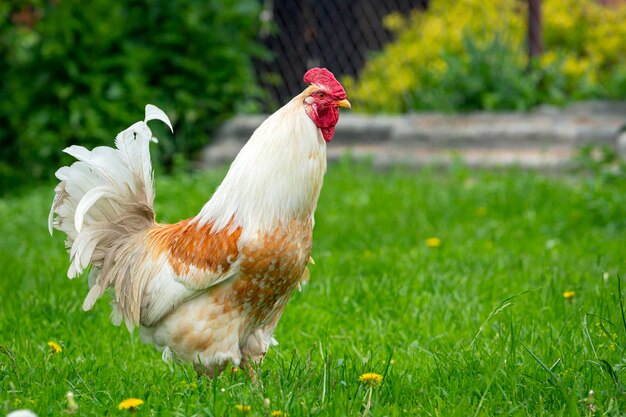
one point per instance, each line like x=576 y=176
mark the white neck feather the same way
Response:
x=276 y=177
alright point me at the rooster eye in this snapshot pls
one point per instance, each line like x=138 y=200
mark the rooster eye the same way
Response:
x=321 y=95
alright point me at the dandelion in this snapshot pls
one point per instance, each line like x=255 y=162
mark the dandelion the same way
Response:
x=277 y=413
x=130 y=404
x=568 y=295
x=371 y=378
x=54 y=347
x=72 y=406
x=591 y=403
x=433 y=242
x=243 y=408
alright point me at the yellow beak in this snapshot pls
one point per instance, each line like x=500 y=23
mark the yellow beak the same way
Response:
x=344 y=103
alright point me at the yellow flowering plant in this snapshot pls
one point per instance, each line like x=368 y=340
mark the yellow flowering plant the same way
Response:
x=371 y=378
x=130 y=404
x=433 y=242
x=471 y=54
x=243 y=408
x=54 y=347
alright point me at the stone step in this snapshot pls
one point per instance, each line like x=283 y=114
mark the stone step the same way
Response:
x=545 y=138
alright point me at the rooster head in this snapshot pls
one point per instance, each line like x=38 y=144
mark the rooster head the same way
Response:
x=323 y=99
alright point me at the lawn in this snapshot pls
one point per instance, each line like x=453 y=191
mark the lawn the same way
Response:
x=472 y=323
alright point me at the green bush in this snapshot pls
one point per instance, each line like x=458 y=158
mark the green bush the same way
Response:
x=470 y=54
x=483 y=78
x=76 y=72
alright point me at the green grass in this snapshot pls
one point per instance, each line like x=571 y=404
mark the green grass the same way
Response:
x=477 y=326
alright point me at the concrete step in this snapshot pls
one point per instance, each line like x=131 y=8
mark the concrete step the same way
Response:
x=545 y=138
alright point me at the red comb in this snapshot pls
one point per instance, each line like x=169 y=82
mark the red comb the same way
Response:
x=326 y=80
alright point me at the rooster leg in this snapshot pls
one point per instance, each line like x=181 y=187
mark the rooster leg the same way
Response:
x=250 y=361
x=211 y=372
x=246 y=365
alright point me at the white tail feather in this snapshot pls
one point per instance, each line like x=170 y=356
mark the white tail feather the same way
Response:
x=94 y=293
x=81 y=251
x=89 y=199
x=155 y=113
x=78 y=152
x=103 y=197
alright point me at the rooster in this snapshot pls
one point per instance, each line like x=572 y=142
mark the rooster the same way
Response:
x=209 y=289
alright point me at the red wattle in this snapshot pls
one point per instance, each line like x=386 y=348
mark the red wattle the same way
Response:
x=325 y=118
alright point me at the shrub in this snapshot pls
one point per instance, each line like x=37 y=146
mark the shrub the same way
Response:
x=483 y=77
x=74 y=73
x=471 y=54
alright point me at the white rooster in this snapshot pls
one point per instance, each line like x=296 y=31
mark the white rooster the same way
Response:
x=211 y=288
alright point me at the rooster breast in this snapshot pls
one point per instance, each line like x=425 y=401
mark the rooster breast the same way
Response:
x=234 y=318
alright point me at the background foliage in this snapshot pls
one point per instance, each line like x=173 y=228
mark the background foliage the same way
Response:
x=76 y=74
x=471 y=54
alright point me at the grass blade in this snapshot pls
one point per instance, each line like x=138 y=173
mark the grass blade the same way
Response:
x=503 y=305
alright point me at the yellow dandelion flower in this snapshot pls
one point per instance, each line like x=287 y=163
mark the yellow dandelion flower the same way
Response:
x=277 y=413
x=130 y=404
x=433 y=242
x=568 y=295
x=243 y=408
x=371 y=378
x=55 y=347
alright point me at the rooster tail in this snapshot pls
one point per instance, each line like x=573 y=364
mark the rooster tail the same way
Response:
x=105 y=197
